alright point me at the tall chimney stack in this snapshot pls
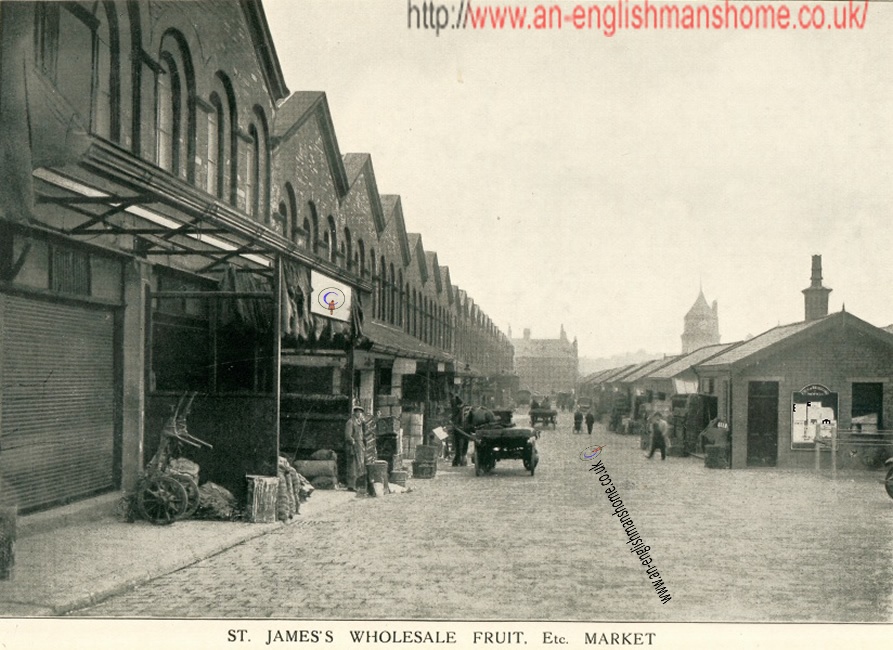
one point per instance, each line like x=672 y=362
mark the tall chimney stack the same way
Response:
x=815 y=295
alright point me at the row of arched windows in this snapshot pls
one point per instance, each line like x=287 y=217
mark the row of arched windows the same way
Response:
x=188 y=122
x=150 y=103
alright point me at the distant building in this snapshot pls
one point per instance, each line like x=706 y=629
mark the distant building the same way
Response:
x=701 y=325
x=546 y=366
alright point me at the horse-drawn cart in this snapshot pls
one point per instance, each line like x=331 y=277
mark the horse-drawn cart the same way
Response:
x=546 y=416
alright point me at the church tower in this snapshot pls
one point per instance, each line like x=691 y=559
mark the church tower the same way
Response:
x=701 y=325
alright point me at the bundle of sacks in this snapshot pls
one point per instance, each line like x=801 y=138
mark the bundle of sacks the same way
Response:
x=321 y=469
x=288 y=499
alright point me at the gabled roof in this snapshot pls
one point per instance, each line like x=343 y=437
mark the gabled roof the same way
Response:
x=641 y=373
x=431 y=258
x=294 y=112
x=265 y=49
x=418 y=253
x=594 y=377
x=780 y=337
x=686 y=361
x=361 y=163
x=621 y=377
x=445 y=277
x=616 y=373
x=393 y=212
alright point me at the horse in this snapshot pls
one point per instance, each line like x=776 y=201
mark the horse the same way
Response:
x=468 y=418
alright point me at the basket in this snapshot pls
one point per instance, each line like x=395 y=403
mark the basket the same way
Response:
x=399 y=477
x=426 y=453
x=421 y=469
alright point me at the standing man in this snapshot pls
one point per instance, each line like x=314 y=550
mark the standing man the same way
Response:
x=355 y=447
x=578 y=421
x=658 y=435
x=590 y=420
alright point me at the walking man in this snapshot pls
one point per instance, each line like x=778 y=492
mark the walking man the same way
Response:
x=578 y=421
x=590 y=420
x=658 y=435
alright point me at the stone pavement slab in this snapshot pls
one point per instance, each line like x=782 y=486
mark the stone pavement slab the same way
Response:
x=83 y=554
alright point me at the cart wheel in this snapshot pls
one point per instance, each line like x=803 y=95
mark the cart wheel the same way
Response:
x=161 y=499
x=192 y=494
x=888 y=483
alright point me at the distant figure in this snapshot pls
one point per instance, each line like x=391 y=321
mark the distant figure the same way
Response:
x=658 y=435
x=590 y=420
x=578 y=421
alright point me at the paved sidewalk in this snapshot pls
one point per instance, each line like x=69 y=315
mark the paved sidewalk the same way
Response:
x=78 y=555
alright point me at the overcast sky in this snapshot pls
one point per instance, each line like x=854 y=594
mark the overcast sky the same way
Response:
x=567 y=177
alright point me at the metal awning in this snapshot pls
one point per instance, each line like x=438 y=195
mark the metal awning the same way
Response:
x=117 y=194
x=395 y=342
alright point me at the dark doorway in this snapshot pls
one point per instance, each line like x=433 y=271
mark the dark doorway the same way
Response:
x=762 y=423
x=868 y=399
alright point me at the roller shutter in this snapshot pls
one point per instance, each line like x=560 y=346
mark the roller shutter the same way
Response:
x=57 y=406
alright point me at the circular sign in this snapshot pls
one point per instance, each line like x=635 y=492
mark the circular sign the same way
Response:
x=331 y=299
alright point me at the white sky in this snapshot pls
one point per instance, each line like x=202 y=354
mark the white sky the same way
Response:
x=566 y=177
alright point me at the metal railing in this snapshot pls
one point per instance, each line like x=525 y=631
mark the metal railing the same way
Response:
x=851 y=438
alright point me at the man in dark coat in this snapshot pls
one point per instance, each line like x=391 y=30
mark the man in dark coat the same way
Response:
x=590 y=420
x=578 y=421
x=659 y=428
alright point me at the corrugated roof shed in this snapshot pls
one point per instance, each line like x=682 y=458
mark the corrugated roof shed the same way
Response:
x=686 y=361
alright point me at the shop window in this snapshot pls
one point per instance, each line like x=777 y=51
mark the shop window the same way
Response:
x=385 y=377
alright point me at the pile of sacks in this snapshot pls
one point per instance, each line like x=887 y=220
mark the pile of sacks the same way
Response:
x=320 y=470
x=293 y=490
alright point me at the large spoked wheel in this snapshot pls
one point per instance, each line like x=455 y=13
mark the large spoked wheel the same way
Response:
x=192 y=494
x=888 y=483
x=161 y=500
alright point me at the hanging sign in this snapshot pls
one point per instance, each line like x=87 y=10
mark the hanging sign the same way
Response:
x=813 y=414
x=329 y=297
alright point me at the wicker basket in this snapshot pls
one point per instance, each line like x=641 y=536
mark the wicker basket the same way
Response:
x=421 y=469
x=399 y=477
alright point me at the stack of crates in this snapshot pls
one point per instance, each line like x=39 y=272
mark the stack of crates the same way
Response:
x=425 y=463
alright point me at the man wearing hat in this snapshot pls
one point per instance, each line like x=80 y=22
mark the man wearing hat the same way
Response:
x=355 y=446
x=658 y=435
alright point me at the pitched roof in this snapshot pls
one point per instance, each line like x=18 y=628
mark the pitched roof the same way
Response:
x=616 y=373
x=784 y=334
x=595 y=377
x=356 y=164
x=684 y=362
x=759 y=343
x=642 y=372
x=265 y=49
x=393 y=211
x=630 y=370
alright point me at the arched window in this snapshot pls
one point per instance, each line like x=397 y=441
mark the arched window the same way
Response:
x=107 y=112
x=175 y=108
x=261 y=169
x=312 y=226
x=383 y=289
x=292 y=228
x=348 y=250
x=401 y=298
x=392 y=300
x=223 y=141
x=252 y=173
x=374 y=283
x=216 y=154
x=407 y=316
x=332 y=234
x=361 y=253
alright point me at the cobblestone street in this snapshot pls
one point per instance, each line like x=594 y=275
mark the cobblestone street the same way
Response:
x=748 y=545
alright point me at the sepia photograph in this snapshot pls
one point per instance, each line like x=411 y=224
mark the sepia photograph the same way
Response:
x=446 y=323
